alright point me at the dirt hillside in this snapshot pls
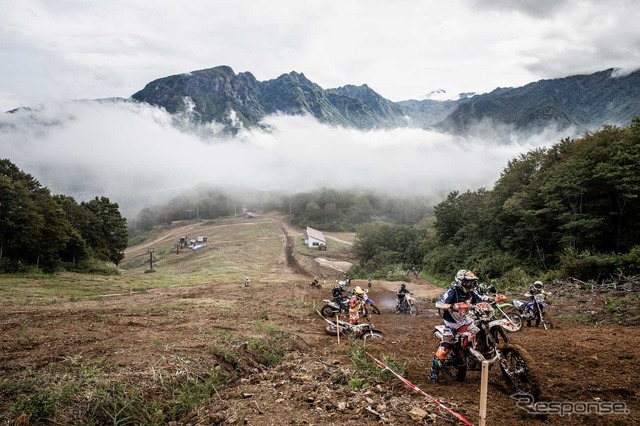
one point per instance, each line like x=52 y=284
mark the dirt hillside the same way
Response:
x=149 y=339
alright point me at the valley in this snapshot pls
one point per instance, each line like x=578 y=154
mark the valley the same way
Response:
x=142 y=346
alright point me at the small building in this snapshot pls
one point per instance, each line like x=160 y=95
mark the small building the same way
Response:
x=315 y=239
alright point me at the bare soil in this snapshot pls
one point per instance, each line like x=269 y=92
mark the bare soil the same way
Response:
x=141 y=336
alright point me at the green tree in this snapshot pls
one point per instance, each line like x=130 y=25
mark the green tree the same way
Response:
x=110 y=237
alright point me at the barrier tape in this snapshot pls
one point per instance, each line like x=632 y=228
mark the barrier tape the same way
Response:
x=420 y=391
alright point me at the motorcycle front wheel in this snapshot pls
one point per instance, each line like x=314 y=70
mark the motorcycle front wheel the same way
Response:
x=516 y=370
x=545 y=319
x=375 y=309
x=515 y=318
x=413 y=309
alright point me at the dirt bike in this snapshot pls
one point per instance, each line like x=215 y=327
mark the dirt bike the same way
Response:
x=534 y=309
x=333 y=307
x=407 y=305
x=469 y=350
x=501 y=308
x=365 y=331
x=316 y=284
x=371 y=305
x=510 y=313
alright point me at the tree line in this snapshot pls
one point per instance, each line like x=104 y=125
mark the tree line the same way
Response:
x=325 y=209
x=569 y=210
x=54 y=231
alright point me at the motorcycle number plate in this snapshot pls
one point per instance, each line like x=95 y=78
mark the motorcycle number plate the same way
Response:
x=539 y=297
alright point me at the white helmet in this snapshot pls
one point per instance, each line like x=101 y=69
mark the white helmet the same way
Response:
x=466 y=279
x=537 y=286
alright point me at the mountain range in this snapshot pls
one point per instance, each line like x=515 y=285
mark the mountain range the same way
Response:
x=233 y=102
x=236 y=101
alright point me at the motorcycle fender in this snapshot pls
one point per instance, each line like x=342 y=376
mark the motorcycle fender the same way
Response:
x=504 y=323
x=477 y=355
x=505 y=305
x=520 y=304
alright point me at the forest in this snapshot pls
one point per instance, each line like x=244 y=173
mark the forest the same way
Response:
x=52 y=232
x=569 y=210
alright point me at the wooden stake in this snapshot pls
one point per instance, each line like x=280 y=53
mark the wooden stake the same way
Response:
x=484 y=383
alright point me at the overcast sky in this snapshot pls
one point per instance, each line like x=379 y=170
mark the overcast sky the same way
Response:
x=403 y=49
x=55 y=51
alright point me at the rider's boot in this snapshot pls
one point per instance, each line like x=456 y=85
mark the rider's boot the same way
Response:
x=435 y=370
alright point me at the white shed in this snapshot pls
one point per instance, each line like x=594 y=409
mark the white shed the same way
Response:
x=314 y=238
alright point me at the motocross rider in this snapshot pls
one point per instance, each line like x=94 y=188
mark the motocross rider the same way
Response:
x=484 y=289
x=536 y=288
x=246 y=282
x=454 y=304
x=401 y=293
x=338 y=293
x=356 y=304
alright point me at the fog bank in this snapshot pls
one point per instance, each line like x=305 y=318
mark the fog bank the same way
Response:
x=134 y=155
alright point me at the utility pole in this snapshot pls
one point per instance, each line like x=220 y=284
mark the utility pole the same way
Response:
x=190 y=211
x=150 y=259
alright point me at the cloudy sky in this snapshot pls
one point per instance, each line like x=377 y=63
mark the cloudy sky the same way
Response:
x=403 y=49
x=54 y=51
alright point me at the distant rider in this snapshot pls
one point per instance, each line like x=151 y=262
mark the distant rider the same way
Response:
x=369 y=282
x=401 y=294
x=534 y=289
x=454 y=304
x=246 y=282
x=484 y=289
x=356 y=304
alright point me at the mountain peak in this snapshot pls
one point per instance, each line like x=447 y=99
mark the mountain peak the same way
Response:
x=217 y=94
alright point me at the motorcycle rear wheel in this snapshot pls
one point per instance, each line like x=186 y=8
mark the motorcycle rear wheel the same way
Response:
x=372 y=335
x=453 y=372
x=331 y=330
x=328 y=311
x=518 y=373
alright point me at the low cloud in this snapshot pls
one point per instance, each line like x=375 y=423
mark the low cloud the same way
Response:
x=136 y=156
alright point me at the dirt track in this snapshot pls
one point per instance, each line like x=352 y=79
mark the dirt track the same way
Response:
x=133 y=338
